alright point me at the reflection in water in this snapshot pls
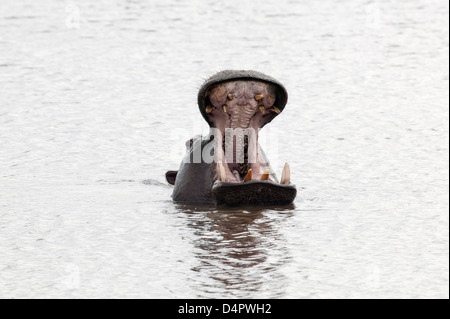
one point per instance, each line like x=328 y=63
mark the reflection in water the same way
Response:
x=240 y=251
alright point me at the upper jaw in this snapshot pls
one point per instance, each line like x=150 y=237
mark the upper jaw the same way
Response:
x=240 y=104
x=280 y=92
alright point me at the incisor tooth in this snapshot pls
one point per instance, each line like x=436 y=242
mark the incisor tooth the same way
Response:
x=248 y=177
x=221 y=172
x=275 y=109
x=225 y=108
x=286 y=174
x=262 y=109
x=265 y=176
x=209 y=108
x=259 y=97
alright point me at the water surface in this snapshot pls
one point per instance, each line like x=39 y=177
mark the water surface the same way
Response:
x=98 y=97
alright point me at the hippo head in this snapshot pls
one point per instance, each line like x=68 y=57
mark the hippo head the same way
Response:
x=228 y=166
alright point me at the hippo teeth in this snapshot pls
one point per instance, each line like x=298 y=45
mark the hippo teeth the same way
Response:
x=262 y=109
x=275 y=109
x=221 y=172
x=259 y=97
x=286 y=174
x=265 y=175
x=248 y=177
x=209 y=109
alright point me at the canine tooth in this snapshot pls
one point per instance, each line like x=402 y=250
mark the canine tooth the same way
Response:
x=262 y=109
x=225 y=108
x=258 y=97
x=286 y=174
x=248 y=177
x=275 y=109
x=265 y=176
x=209 y=108
x=221 y=172
x=230 y=96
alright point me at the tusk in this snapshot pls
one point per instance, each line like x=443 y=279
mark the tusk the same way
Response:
x=286 y=174
x=248 y=177
x=265 y=176
x=221 y=172
x=225 y=108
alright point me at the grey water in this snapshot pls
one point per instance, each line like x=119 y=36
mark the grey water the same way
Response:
x=97 y=99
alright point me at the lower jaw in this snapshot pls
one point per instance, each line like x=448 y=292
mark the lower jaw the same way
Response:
x=255 y=189
x=255 y=192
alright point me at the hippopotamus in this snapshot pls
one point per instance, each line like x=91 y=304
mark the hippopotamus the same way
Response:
x=228 y=167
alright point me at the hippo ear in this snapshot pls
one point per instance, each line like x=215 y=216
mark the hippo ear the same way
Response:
x=171 y=176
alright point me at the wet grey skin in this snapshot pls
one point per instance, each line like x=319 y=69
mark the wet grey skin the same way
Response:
x=228 y=167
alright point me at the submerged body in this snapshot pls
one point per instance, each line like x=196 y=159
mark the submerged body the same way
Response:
x=228 y=166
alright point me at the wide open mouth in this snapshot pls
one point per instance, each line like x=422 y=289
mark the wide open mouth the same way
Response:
x=237 y=110
x=237 y=104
